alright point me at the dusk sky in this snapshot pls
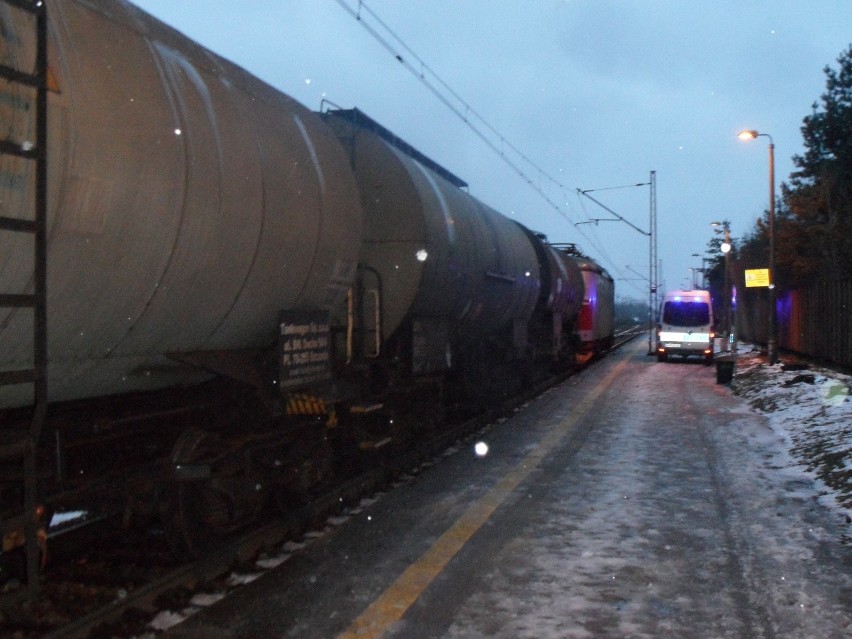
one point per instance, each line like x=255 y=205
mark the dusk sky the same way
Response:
x=593 y=94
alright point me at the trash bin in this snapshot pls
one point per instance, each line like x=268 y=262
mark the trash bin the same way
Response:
x=724 y=370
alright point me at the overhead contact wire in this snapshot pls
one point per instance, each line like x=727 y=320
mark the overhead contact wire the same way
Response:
x=462 y=113
x=465 y=113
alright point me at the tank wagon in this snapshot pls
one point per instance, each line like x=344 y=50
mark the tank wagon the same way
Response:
x=177 y=223
x=459 y=281
x=299 y=278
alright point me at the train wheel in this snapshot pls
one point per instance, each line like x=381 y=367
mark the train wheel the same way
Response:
x=207 y=499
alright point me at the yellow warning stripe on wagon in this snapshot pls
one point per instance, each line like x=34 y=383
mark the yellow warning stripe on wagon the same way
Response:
x=306 y=405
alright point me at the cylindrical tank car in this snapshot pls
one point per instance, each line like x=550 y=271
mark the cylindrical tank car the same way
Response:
x=204 y=226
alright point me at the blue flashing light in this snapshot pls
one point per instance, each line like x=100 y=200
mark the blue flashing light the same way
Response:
x=677 y=298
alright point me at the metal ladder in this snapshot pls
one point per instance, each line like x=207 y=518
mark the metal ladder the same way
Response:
x=23 y=447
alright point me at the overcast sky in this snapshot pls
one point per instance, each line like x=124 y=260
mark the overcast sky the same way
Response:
x=595 y=93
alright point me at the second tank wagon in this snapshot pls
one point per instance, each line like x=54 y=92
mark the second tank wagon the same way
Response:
x=444 y=259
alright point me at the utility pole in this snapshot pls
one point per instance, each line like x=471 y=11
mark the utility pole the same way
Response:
x=652 y=250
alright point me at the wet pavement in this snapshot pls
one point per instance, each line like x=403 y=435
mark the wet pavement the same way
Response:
x=638 y=499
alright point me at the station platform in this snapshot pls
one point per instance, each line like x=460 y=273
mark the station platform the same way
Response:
x=636 y=499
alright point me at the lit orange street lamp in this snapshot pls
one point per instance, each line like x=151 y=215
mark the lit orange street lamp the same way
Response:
x=772 y=342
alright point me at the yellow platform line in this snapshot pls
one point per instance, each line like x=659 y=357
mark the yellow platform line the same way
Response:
x=393 y=603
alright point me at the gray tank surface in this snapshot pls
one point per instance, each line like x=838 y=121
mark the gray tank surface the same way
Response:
x=561 y=278
x=189 y=203
x=442 y=255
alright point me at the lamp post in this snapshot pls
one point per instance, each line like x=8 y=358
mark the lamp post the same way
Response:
x=725 y=247
x=771 y=341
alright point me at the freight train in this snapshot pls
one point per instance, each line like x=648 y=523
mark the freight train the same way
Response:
x=269 y=285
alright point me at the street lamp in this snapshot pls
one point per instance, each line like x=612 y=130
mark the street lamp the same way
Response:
x=725 y=247
x=772 y=341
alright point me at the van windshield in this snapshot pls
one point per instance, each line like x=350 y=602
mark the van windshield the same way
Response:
x=686 y=313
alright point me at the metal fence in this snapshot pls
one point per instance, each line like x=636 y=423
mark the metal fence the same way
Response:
x=815 y=321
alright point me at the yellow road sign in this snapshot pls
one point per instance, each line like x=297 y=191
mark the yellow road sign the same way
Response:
x=757 y=277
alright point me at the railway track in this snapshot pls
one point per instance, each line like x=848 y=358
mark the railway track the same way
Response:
x=105 y=617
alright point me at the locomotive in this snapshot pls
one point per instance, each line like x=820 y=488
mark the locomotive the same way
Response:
x=269 y=285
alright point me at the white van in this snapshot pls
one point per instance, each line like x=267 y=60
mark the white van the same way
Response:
x=686 y=325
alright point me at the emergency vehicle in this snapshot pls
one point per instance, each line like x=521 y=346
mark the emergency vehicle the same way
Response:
x=686 y=325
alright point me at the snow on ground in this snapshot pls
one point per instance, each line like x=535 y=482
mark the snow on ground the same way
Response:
x=811 y=408
x=702 y=528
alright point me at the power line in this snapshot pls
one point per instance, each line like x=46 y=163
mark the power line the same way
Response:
x=465 y=112
x=609 y=210
x=457 y=104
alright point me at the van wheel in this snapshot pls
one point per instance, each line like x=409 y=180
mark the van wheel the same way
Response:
x=661 y=357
